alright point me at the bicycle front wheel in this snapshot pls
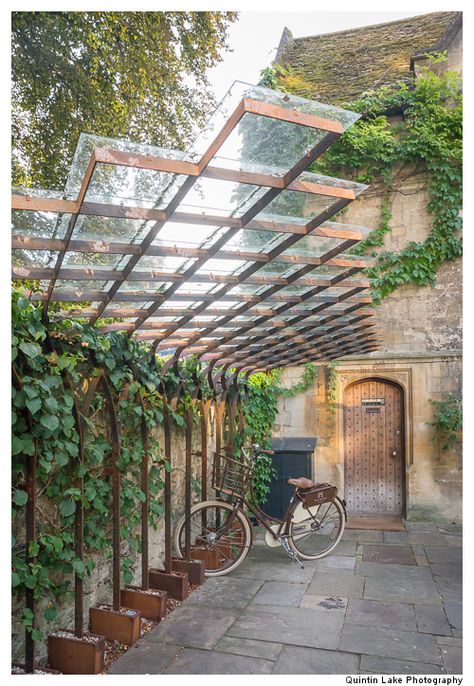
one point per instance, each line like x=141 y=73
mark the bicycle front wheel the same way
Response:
x=219 y=536
x=315 y=532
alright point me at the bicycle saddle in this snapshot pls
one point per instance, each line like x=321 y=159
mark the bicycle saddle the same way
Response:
x=302 y=482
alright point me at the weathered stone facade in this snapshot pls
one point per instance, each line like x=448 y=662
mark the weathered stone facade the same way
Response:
x=420 y=327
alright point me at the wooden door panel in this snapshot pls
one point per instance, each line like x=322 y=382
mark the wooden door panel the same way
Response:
x=373 y=441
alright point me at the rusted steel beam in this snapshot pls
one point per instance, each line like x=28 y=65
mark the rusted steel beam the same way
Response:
x=167 y=480
x=188 y=418
x=266 y=109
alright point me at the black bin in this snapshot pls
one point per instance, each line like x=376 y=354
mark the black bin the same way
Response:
x=292 y=459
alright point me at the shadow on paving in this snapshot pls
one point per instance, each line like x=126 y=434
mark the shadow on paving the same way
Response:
x=382 y=603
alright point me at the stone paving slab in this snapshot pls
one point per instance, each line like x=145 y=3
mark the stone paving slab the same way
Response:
x=436 y=554
x=249 y=646
x=193 y=626
x=401 y=591
x=431 y=619
x=287 y=570
x=452 y=659
x=336 y=562
x=421 y=527
x=296 y=660
x=449 y=569
x=453 y=611
x=453 y=540
x=345 y=548
x=383 y=554
x=294 y=626
x=363 y=535
x=145 y=658
x=322 y=602
x=193 y=661
x=376 y=613
x=405 y=645
x=344 y=584
x=280 y=593
x=393 y=571
x=371 y=664
x=225 y=592
x=449 y=587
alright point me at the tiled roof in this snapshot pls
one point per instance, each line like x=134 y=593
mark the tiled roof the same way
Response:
x=338 y=67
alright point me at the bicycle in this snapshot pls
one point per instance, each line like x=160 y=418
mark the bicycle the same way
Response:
x=221 y=532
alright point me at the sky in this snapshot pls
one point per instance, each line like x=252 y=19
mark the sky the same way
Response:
x=255 y=36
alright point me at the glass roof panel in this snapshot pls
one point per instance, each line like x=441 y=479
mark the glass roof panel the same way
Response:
x=40 y=224
x=187 y=235
x=91 y=227
x=34 y=258
x=111 y=183
x=95 y=260
x=220 y=197
x=163 y=264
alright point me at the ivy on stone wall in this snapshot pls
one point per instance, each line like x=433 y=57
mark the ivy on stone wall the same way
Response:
x=409 y=123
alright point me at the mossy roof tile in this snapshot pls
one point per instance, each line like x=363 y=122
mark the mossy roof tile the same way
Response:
x=338 y=67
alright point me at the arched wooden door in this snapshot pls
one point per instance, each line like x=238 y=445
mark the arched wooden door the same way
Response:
x=374 y=448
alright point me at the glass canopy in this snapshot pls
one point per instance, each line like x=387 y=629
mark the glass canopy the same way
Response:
x=226 y=250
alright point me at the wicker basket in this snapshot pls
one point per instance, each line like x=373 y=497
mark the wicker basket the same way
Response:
x=230 y=476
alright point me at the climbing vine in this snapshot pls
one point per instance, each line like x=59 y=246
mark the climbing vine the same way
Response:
x=426 y=134
x=447 y=420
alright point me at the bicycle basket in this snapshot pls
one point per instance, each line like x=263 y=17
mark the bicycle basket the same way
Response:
x=230 y=476
x=317 y=494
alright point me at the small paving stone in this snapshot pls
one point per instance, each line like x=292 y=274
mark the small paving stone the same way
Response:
x=225 y=592
x=345 y=548
x=389 y=665
x=421 y=527
x=363 y=535
x=431 y=619
x=192 y=661
x=250 y=647
x=324 y=602
x=383 y=554
x=401 y=590
x=376 y=613
x=453 y=540
x=450 y=588
x=280 y=593
x=395 y=537
x=436 y=539
x=436 y=554
x=193 y=626
x=453 y=611
x=452 y=659
x=344 y=584
x=295 y=660
x=295 y=626
x=145 y=658
x=405 y=645
x=342 y=562
x=448 y=641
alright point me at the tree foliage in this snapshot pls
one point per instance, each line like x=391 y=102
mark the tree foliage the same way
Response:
x=140 y=75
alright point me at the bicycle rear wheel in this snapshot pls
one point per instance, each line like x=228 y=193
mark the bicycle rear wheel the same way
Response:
x=318 y=530
x=219 y=536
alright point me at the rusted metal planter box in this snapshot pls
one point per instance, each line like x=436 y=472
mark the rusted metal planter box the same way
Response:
x=175 y=584
x=115 y=626
x=194 y=568
x=209 y=557
x=72 y=655
x=152 y=604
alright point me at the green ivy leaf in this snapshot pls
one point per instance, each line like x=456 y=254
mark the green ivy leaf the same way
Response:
x=31 y=350
x=34 y=405
x=50 y=614
x=16 y=581
x=67 y=507
x=79 y=568
x=36 y=635
x=50 y=422
x=20 y=497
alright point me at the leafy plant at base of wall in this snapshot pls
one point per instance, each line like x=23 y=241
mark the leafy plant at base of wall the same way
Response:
x=331 y=387
x=431 y=135
x=447 y=420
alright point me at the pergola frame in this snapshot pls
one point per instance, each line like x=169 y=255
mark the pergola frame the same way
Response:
x=222 y=335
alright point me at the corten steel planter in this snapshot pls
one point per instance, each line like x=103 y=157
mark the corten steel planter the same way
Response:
x=122 y=626
x=71 y=655
x=194 y=568
x=209 y=556
x=176 y=584
x=152 y=604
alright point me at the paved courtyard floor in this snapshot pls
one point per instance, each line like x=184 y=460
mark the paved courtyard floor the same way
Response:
x=383 y=603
